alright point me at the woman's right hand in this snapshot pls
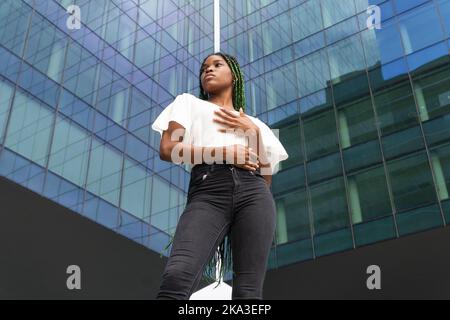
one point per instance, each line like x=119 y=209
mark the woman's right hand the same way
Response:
x=243 y=157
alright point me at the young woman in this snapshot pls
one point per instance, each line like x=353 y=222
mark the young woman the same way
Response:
x=229 y=206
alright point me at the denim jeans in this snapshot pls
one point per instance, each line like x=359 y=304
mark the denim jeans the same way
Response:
x=222 y=199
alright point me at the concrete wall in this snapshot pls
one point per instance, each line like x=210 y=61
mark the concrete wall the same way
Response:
x=412 y=267
x=39 y=239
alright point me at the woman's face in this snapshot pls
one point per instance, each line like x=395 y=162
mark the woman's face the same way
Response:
x=216 y=75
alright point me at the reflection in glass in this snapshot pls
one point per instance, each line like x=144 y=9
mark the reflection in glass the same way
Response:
x=411 y=181
x=29 y=128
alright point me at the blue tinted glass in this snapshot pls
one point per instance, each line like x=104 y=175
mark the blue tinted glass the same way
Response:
x=444 y=6
x=6 y=94
x=30 y=128
x=403 y=5
x=420 y=28
x=429 y=55
x=14 y=16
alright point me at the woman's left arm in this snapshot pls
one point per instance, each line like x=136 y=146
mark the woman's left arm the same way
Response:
x=262 y=155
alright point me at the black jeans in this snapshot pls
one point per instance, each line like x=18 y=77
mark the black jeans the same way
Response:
x=222 y=198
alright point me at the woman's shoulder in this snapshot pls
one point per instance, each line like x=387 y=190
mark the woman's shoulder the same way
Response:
x=189 y=98
x=259 y=122
x=187 y=95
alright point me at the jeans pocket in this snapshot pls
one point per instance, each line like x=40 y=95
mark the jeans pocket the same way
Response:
x=255 y=173
x=200 y=176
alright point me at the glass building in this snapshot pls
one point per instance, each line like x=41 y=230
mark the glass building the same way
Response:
x=364 y=112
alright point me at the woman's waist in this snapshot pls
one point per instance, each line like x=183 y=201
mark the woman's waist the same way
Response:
x=218 y=165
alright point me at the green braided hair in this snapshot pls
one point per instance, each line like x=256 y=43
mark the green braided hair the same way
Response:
x=238 y=84
x=223 y=254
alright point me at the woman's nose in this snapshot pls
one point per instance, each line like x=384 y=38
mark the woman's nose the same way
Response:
x=208 y=69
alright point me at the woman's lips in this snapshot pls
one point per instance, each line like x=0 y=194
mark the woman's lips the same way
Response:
x=209 y=77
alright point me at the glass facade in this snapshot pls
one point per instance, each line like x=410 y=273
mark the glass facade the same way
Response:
x=76 y=105
x=364 y=113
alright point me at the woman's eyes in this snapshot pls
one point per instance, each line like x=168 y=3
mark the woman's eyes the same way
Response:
x=217 y=64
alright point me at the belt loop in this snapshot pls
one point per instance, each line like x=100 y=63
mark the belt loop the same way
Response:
x=212 y=166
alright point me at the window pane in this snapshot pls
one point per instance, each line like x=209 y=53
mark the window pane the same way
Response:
x=335 y=11
x=389 y=75
x=115 y=103
x=374 y=231
x=290 y=138
x=313 y=73
x=30 y=128
x=437 y=130
x=352 y=89
x=329 y=206
x=402 y=142
x=306 y=19
x=382 y=45
x=294 y=252
x=22 y=171
x=6 y=93
x=444 y=6
x=420 y=28
x=396 y=108
x=402 y=5
x=288 y=179
x=346 y=58
x=411 y=182
x=281 y=87
x=440 y=159
x=446 y=208
x=320 y=135
x=46 y=47
x=160 y=196
x=368 y=195
x=14 y=16
x=70 y=151
x=356 y=123
x=105 y=167
x=292 y=217
x=419 y=219
x=80 y=74
x=432 y=92
x=324 y=168
x=362 y=156
x=317 y=102
x=136 y=189
x=332 y=242
x=63 y=192
x=276 y=33
x=341 y=30
x=120 y=32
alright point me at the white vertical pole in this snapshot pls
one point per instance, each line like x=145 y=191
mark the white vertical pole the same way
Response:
x=216 y=25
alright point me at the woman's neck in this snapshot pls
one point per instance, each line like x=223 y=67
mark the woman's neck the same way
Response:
x=225 y=100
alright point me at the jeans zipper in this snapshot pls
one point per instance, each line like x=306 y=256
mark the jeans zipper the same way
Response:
x=234 y=173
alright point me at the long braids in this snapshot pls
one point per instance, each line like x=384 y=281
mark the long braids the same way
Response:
x=238 y=83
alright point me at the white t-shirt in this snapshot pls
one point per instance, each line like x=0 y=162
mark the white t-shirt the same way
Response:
x=196 y=116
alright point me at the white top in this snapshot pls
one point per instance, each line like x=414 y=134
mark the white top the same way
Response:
x=196 y=116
